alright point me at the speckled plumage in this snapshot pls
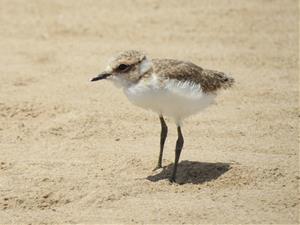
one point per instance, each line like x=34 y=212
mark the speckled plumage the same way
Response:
x=210 y=80
x=130 y=57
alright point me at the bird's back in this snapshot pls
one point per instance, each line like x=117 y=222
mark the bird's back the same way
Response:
x=210 y=80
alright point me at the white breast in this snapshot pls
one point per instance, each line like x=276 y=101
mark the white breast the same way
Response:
x=169 y=97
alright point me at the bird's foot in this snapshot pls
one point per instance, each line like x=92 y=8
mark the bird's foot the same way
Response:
x=157 y=168
x=172 y=180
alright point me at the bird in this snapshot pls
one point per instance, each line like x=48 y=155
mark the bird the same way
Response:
x=169 y=87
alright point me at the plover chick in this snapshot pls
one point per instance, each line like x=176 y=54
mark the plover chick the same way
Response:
x=168 y=87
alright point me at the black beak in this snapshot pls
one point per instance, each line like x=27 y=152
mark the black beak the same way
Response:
x=101 y=76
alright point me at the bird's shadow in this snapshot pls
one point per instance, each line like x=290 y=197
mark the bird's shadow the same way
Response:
x=192 y=172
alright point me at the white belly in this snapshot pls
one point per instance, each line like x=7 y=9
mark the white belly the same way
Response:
x=170 y=97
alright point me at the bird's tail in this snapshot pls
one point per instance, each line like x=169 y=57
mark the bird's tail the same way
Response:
x=225 y=81
x=228 y=81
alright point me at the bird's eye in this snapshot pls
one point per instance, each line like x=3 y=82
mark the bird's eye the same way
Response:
x=123 y=67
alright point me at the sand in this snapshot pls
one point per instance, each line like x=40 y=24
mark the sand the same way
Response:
x=72 y=151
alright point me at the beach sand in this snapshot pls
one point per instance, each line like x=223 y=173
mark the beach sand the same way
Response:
x=72 y=151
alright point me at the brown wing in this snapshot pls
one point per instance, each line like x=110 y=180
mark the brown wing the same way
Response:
x=209 y=80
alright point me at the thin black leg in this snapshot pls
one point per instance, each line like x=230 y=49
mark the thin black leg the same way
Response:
x=179 y=145
x=163 y=136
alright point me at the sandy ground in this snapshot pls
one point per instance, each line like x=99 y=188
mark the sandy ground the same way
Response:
x=76 y=152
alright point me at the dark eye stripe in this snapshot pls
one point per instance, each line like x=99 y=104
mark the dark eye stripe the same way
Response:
x=123 y=67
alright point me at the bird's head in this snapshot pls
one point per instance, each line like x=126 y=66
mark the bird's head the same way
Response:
x=126 y=68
